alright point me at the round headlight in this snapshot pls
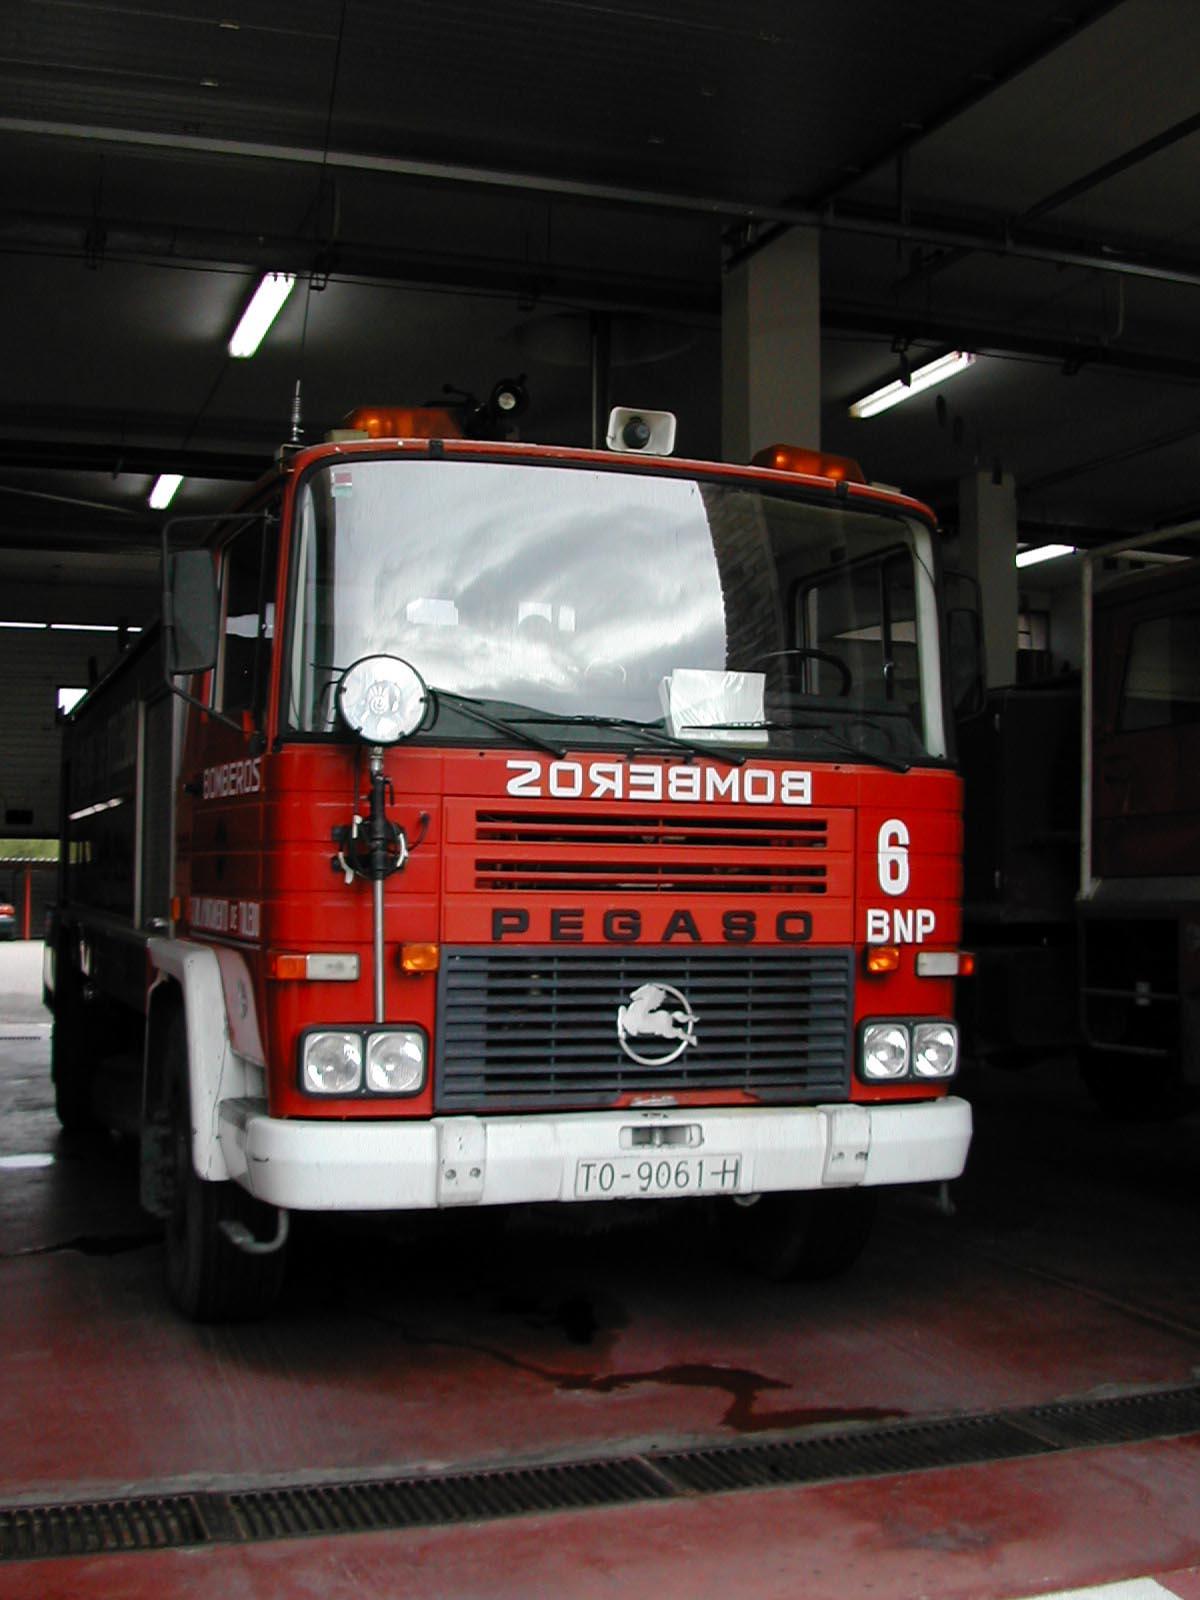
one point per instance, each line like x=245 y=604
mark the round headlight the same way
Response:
x=396 y=1062
x=935 y=1050
x=331 y=1063
x=884 y=1050
x=383 y=699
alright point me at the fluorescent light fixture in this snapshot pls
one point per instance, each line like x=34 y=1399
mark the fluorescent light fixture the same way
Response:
x=265 y=306
x=164 y=489
x=1043 y=552
x=923 y=378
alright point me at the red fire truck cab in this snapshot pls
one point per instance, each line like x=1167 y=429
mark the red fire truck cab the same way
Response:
x=518 y=824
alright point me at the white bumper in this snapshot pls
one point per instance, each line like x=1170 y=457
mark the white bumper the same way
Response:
x=454 y=1161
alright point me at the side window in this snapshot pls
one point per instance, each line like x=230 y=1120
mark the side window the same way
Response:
x=248 y=566
x=866 y=616
x=1162 y=674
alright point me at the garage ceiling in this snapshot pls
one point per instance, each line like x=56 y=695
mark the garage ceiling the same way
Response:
x=465 y=188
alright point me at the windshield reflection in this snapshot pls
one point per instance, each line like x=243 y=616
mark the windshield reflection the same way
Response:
x=718 y=612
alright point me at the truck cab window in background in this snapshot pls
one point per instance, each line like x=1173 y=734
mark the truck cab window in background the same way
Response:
x=249 y=563
x=719 y=612
x=1162 y=674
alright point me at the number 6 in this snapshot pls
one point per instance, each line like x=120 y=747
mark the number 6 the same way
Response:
x=893 y=857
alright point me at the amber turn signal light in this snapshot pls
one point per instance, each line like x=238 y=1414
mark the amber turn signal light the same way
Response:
x=416 y=958
x=881 y=958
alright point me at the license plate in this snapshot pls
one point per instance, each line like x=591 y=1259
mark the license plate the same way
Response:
x=623 y=1176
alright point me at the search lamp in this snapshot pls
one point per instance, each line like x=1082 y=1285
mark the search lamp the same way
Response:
x=382 y=699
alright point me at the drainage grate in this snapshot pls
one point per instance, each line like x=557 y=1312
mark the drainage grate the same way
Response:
x=422 y=1502
x=1118 y=1419
x=155 y=1522
x=875 y=1452
x=103 y=1527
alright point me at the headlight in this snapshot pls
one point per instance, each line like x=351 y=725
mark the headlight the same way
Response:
x=935 y=1050
x=383 y=699
x=331 y=1063
x=396 y=1062
x=884 y=1050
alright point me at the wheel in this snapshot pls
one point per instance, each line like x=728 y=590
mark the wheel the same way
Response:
x=71 y=1064
x=798 y=1238
x=1132 y=1088
x=803 y=654
x=208 y=1277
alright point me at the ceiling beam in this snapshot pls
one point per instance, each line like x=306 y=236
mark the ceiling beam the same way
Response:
x=1071 y=191
x=1096 y=256
x=215 y=250
x=75 y=455
x=909 y=326
x=896 y=154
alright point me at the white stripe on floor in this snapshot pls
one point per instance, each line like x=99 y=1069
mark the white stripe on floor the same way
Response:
x=1130 y=1589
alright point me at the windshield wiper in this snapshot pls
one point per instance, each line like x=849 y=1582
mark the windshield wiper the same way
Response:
x=869 y=758
x=647 y=730
x=471 y=708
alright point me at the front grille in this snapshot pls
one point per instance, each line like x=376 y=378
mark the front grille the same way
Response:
x=536 y=1027
x=650 y=852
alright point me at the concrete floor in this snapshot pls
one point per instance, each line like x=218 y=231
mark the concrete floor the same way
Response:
x=1068 y=1268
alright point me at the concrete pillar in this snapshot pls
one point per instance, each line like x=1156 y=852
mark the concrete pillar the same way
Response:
x=987 y=523
x=771 y=348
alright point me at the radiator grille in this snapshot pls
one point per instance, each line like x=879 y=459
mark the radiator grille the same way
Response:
x=537 y=1026
x=586 y=826
x=657 y=852
x=690 y=877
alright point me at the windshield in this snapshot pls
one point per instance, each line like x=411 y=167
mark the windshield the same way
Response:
x=715 y=612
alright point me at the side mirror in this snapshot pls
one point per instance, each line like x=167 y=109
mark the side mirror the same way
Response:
x=189 y=611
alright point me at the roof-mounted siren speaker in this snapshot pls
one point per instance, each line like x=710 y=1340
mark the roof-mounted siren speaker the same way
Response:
x=646 y=433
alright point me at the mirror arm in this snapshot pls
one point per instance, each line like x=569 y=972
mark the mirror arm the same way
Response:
x=194 y=700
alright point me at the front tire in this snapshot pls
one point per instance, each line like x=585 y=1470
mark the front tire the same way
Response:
x=208 y=1277
x=804 y=1237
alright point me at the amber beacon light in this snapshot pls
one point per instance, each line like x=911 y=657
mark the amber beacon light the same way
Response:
x=810 y=463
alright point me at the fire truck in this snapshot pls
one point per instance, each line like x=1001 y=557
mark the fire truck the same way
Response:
x=494 y=824
x=1139 y=904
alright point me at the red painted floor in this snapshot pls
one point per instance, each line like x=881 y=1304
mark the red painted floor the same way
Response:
x=1068 y=1268
x=1016 y=1529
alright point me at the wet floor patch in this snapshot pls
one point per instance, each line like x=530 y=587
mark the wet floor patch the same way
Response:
x=94 y=1244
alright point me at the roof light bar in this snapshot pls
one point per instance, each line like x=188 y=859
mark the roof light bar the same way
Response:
x=1044 y=552
x=164 y=489
x=265 y=305
x=923 y=378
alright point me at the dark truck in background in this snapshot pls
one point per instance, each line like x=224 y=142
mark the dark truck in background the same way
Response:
x=1139 y=902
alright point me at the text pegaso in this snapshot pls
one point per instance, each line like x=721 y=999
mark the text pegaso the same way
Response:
x=613 y=780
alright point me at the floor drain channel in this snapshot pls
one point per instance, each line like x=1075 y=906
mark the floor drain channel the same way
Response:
x=157 y=1522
